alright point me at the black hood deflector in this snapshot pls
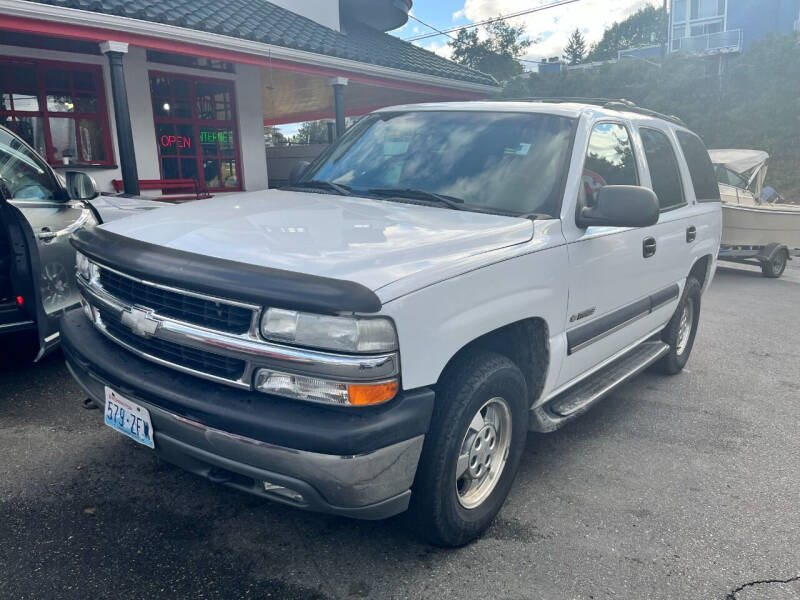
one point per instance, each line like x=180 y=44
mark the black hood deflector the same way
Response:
x=224 y=278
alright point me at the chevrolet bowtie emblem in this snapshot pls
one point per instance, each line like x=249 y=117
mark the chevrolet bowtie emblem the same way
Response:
x=141 y=322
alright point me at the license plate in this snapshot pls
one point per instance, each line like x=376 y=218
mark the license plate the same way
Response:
x=129 y=418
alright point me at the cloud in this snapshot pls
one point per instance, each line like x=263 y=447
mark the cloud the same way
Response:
x=553 y=26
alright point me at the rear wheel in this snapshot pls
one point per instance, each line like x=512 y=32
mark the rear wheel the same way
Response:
x=774 y=268
x=680 y=332
x=473 y=450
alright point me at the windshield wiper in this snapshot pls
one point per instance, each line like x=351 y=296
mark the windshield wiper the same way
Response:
x=415 y=194
x=340 y=189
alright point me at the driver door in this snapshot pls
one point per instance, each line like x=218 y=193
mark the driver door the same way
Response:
x=35 y=202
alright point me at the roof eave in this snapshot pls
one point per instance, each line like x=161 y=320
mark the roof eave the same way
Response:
x=120 y=27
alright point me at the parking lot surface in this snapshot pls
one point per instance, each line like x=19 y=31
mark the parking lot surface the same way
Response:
x=681 y=487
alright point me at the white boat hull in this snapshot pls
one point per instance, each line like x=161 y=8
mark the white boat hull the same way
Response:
x=760 y=226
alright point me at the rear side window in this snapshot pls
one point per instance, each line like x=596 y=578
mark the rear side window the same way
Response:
x=609 y=160
x=704 y=180
x=664 y=171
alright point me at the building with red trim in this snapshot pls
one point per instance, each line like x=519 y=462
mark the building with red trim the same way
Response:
x=181 y=89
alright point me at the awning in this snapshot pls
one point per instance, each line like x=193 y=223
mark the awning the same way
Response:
x=739 y=161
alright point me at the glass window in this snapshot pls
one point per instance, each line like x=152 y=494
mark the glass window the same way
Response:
x=705 y=9
x=704 y=180
x=664 y=171
x=23 y=173
x=509 y=162
x=609 y=160
x=195 y=120
x=679 y=11
x=64 y=117
x=728 y=177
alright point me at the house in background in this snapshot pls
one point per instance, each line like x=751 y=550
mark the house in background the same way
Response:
x=720 y=26
x=169 y=89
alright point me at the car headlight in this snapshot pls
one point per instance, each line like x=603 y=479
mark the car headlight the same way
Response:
x=84 y=266
x=346 y=334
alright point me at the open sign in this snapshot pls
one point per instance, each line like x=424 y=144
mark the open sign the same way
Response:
x=175 y=141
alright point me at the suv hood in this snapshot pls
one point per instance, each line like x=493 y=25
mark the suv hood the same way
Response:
x=371 y=242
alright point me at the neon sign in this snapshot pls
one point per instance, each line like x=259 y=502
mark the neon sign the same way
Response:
x=223 y=136
x=175 y=141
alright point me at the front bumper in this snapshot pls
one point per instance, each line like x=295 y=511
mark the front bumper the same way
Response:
x=354 y=462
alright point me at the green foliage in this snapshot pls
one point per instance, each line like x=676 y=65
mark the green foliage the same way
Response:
x=495 y=54
x=311 y=132
x=748 y=101
x=575 y=51
x=643 y=28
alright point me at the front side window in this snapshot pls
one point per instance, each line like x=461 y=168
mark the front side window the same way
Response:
x=492 y=161
x=23 y=173
x=609 y=160
x=58 y=109
x=704 y=179
x=665 y=174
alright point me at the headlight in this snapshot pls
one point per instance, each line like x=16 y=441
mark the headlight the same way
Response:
x=84 y=266
x=313 y=389
x=346 y=334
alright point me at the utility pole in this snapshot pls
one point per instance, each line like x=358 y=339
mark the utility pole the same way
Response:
x=664 y=43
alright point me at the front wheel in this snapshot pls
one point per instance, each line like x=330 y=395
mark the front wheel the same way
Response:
x=774 y=268
x=472 y=452
x=680 y=332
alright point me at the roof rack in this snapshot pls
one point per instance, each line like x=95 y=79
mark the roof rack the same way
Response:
x=611 y=104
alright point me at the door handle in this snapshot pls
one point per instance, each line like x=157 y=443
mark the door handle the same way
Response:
x=46 y=234
x=649 y=247
x=691 y=234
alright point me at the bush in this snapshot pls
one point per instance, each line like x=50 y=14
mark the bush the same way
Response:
x=749 y=101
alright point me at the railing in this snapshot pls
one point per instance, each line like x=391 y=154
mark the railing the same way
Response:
x=710 y=43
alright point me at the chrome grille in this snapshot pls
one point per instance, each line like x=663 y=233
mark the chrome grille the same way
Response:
x=176 y=305
x=191 y=358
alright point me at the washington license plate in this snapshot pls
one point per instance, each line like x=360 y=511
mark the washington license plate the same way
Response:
x=129 y=418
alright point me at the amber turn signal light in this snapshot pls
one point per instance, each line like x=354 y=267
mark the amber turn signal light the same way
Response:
x=376 y=393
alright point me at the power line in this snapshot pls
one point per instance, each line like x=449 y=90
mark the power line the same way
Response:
x=521 y=13
x=445 y=33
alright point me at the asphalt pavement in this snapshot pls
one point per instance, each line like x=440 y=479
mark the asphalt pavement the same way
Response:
x=684 y=487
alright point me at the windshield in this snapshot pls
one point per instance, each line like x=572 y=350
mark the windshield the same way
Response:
x=495 y=161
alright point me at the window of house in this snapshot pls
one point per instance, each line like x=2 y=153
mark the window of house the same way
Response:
x=609 y=160
x=665 y=174
x=679 y=11
x=196 y=132
x=706 y=9
x=706 y=28
x=57 y=108
x=704 y=179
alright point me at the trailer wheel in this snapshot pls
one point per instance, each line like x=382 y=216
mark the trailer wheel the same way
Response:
x=774 y=268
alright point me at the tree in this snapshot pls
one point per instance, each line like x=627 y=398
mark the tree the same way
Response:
x=312 y=132
x=643 y=28
x=496 y=53
x=575 y=51
x=273 y=136
x=750 y=100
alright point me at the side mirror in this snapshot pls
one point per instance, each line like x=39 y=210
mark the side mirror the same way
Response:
x=81 y=186
x=298 y=171
x=621 y=206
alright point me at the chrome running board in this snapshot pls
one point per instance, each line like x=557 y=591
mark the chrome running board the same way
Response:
x=576 y=400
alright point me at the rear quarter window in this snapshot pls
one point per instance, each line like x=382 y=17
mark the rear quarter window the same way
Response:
x=704 y=179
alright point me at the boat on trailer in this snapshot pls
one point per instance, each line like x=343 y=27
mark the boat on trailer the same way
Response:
x=757 y=226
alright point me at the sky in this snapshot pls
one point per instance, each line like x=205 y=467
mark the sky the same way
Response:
x=552 y=26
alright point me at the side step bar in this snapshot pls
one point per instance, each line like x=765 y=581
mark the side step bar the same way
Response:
x=576 y=400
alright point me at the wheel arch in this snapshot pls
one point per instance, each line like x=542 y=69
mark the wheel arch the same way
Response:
x=701 y=270
x=524 y=342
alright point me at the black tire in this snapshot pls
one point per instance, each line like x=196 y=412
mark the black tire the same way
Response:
x=436 y=512
x=678 y=355
x=774 y=268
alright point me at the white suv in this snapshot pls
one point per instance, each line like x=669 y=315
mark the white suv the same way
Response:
x=382 y=334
